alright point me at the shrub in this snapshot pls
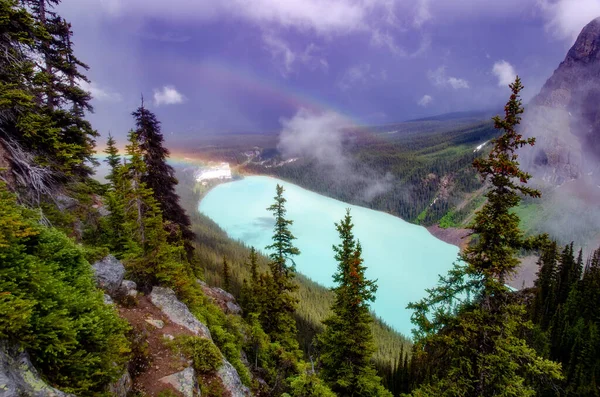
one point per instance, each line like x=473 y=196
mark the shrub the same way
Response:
x=205 y=355
x=50 y=306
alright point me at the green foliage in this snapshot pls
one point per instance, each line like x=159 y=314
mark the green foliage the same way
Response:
x=308 y=384
x=346 y=345
x=469 y=335
x=226 y=278
x=205 y=355
x=49 y=305
x=44 y=106
x=567 y=318
x=448 y=220
x=277 y=311
x=160 y=176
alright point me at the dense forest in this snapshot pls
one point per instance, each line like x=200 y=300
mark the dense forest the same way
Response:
x=473 y=335
x=425 y=167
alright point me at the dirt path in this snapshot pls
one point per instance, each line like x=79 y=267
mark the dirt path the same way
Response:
x=161 y=360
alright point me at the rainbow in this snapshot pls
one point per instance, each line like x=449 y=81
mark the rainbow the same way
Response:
x=246 y=80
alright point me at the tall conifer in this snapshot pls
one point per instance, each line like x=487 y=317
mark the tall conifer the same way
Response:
x=470 y=326
x=160 y=176
x=346 y=346
x=277 y=317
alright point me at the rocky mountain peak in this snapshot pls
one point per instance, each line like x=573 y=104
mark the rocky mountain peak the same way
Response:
x=565 y=115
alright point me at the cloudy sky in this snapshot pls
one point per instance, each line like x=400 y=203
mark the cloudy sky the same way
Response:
x=248 y=65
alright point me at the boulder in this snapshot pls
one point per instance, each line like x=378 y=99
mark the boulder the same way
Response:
x=221 y=298
x=65 y=203
x=18 y=377
x=121 y=387
x=233 y=308
x=129 y=288
x=155 y=323
x=108 y=300
x=166 y=300
x=184 y=382
x=231 y=381
x=109 y=273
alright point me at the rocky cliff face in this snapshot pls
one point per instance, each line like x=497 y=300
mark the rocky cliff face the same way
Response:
x=565 y=115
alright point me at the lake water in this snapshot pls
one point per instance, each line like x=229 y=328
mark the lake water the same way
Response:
x=404 y=258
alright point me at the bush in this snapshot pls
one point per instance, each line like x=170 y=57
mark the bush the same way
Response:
x=50 y=306
x=205 y=355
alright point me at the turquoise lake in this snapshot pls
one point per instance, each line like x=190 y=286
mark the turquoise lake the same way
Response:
x=405 y=259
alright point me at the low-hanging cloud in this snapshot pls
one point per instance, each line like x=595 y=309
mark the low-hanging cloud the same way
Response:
x=315 y=136
x=319 y=137
x=168 y=95
x=505 y=72
x=566 y=18
x=439 y=78
x=100 y=93
x=425 y=100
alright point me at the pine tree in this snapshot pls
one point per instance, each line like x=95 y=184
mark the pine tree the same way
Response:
x=277 y=317
x=253 y=291
x=226 y=276
x=43 y=128
x=346 y=346
x=160 y=176
x=544 y=304
x=59 y=84
x=116 y=232
x=112 y=159
x=470 y=326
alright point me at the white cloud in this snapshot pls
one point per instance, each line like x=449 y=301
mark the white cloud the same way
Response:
x=285 y=57
x=505 y=72
x=167 y=95
x=280 y=51
x=321 y=16
x=422 y=13
x=99 y=93
x=457 y=83
x=354 y=75
x=425 y=101
x=360 y=74
x=385 y=40
x=439 y=78
x=318 y=136
x=566 y=18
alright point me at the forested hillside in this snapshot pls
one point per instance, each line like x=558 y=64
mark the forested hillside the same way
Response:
x=105 y=287
x=423 y=168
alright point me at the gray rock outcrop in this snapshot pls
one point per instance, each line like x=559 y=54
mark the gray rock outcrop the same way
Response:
x=129 y=288
x=109 y=273
x=122 y=386
x=231 y=381
x=166 y=300
x=19 y=378
x=221 y=298
x=184 y=382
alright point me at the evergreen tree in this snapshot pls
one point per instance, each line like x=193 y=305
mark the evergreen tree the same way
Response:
x=346 y=346
x=115 y=230
x=226 y=277
x=470 y=326
x=277 y=317
x=59 y=78
x=43 y=128
x=113 y=159
x=546 y=286
x=160 y=176
x=252 y=292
